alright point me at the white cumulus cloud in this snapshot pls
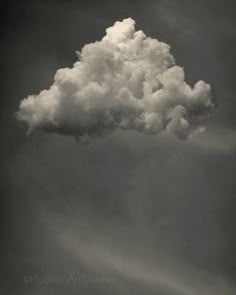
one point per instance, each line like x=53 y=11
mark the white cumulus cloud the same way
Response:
x=125 y=81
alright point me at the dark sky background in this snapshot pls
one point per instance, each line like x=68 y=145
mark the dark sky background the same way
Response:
x=151 y=213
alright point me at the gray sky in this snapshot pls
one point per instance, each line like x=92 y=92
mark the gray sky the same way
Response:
x=151 y=213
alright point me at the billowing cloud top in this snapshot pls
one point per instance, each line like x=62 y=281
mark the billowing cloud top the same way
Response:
x=125 y=81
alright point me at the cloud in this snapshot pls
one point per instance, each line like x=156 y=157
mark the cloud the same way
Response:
x=125 y=81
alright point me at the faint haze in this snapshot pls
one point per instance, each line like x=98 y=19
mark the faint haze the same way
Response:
x=153 y=213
